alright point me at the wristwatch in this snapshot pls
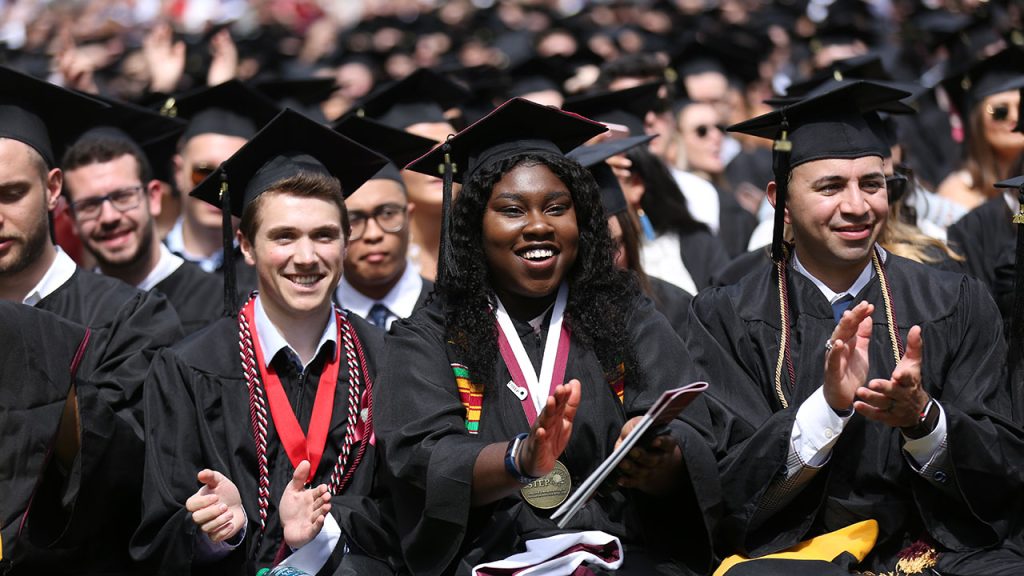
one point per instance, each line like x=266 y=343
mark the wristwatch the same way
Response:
x=928 y=420
x=512 y=457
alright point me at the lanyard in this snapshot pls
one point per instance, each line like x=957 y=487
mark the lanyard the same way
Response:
x=298 y=446
x=552 y=367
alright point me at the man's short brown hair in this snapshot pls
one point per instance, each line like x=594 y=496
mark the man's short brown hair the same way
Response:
x=303 y=184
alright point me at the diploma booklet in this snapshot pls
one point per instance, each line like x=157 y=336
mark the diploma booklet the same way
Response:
x=667 y=407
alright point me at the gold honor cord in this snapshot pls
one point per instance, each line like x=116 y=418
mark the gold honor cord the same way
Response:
x=784 y=352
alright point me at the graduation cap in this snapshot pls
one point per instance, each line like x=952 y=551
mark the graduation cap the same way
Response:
x=832 y=84
x=302 y=94
x=290 y=143
x=423 y=96
x=1001 y=72
x=735 y=52
x=843 y=22
x=1015 y=353
x=231 y=109
x=863 y=67
x=42 y=115
x=593 y=158
x=829 y=125
x=154 y=135
x=398 y=146
x=538 y=74
x=627 y=107
x=517 y=126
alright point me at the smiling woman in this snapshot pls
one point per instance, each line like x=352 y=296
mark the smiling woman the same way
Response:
x=536 y=355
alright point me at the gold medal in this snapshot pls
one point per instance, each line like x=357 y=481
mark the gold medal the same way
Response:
x=549 y=491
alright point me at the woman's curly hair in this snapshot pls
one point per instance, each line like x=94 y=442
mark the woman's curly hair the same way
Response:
x=600 y=295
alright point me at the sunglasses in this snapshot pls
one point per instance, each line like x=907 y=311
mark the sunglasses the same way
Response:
x=703 y=130
x=999 y=112
x=200 y=172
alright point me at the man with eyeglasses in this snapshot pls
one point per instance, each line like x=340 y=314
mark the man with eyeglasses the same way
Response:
x=115 y=201
x=379 y=284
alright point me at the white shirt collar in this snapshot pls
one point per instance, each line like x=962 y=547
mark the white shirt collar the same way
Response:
x=1011 y=201
x=271 y=341
x=62 y=269
x=865 y=276
x=165 y=266
x=175 y=242
x=400 y=301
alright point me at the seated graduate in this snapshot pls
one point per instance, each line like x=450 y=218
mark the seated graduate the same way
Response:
x=380 y=284
x=92 y=505
x=112 y=179
x=527 y=269
x=225 y=434
x=852 y=384
x=669 y=299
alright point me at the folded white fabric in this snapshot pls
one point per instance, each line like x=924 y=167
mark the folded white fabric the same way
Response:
x=558 y=555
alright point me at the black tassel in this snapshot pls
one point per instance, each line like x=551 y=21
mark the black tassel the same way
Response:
x=230 y=290
x=1016 y=350
x=780 y=167
x=445 y=259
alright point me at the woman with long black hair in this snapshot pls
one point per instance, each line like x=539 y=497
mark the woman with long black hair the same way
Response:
x=527 y=284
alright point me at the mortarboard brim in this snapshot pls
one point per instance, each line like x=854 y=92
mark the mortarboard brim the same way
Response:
x=231 y=109
x=627 y=107
x=398 y=146
x=593 y=158
x=423 y=96
x=42 y=115
x=516 y=126
x=289 y=143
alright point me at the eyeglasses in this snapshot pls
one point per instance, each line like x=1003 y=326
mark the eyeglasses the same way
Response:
x=390 y=218
x=200 y=172
x=123 y=200
x=703 y=130
x=896 y=186
x=999 y=112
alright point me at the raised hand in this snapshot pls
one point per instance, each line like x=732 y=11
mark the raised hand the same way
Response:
x=899 y=400
x=550 y=432
x=652 y=468
x=216 y=507
x=164 y=57
x=303 y=511
x=224 y=64
x=846 y=364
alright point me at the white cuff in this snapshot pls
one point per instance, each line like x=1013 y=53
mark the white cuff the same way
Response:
x=923 y=450
x=815 y=431
x=312 y=557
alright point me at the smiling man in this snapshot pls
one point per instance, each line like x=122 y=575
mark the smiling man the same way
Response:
x=115 y=201
x=226 y=435
x=853 y=384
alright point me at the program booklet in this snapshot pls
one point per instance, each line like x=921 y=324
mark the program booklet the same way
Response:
x=667 y=407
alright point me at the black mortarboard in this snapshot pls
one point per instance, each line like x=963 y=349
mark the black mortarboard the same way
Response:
x=398 y=146
x=231 y=109
x=538 y=74
x=593 y=158
x=998 y=73
x=733 y=51
x=829 y=125
x=154 y=134
x=290 y=143
x=831 y=84
x=42 y=115
x=302 y=94
x=423 y=96
x=863 y=67
x=516 y=126
x=627 y=107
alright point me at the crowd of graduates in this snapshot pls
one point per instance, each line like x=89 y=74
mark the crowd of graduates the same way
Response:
x=373 y=288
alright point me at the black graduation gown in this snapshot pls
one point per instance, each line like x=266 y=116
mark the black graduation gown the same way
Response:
x=39 y=355
x=987 y=240
x=197 y=295
x=672 y=301
x=734 y=339
x=703 y=254
x=421 y=424
x=197 y=416
x=82 y=523
x=735 y=224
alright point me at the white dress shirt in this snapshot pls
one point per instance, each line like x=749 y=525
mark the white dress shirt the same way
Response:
x=165 y=266
x=62 y=269
x=400 y=301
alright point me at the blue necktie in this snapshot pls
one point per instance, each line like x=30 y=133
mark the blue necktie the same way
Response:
x=378 y=315
x=840 y=306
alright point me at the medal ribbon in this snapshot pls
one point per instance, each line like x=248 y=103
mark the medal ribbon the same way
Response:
x=552 y=368
x=298 y=446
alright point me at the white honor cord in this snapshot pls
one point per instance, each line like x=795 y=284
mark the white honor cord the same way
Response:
x=538 y=387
